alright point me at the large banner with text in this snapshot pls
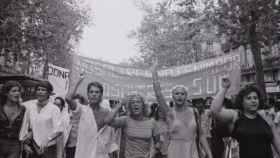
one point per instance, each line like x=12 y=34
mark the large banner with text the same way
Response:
x=201 y=79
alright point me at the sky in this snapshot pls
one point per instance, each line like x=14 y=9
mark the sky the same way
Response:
x=107 y=38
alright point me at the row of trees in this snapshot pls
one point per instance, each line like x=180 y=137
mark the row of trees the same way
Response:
x=251 y=24
x=176 y=36
x=40 y=31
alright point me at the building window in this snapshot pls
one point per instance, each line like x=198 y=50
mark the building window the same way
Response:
x=268 y=77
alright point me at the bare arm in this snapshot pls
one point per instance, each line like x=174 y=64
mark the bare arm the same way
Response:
x=76 y=86
x=276 y=139
x=206 y=146
x=118 y=122
x=159 y=96
x=202 y=134
x=109 y=119
x=217 y=104
x=70 y=94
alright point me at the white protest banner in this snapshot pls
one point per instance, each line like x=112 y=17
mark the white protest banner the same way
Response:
x=202 y=79
x=59 y=78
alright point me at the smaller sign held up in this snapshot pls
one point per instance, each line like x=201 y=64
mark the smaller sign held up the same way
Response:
x=59 y=78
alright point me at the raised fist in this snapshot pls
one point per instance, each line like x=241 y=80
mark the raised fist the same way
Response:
x=82 y=75
x=226 y=83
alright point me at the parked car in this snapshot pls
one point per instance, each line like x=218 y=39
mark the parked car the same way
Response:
x=28 y=84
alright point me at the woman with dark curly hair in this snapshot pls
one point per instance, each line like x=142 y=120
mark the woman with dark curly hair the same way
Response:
x=254 y=132
x=11 y=118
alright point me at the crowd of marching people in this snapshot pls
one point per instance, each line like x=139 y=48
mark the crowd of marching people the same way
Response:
x=75 y=127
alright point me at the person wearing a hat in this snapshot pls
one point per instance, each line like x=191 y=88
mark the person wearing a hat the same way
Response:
x=43 y=120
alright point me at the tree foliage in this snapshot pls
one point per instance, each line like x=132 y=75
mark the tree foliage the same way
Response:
x=173 y=37
x=251 y=24
x=41 y=30
x=235 y=20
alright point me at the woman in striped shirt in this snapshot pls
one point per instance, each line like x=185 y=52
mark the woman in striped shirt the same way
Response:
x=139 y=130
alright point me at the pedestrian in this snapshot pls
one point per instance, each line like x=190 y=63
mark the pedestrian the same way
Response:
x=11 y=119
x=254 y=132
x=161 y=147
x=64 y=125
x=75 y=102
x=219 y=133
x=139 y=130
x=186 y=134
x=43 y=122
x=94 y=135
x=60 y=103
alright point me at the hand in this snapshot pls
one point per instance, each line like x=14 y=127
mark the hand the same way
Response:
x=226 y=83
x=27 y=149
x=157 y=146
x=44 y=145
x=29 y=135
x=82 y=76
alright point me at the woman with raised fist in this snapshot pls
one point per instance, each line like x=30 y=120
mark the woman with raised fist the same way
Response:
x=255 y=133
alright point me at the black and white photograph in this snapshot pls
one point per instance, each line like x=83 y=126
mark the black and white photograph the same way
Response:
x=139 y=78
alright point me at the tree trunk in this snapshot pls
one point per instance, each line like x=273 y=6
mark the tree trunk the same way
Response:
x=256 y=51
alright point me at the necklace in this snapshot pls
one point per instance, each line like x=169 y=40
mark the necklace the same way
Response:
x=250 y=116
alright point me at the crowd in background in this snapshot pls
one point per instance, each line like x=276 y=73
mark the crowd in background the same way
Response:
x=76 y=127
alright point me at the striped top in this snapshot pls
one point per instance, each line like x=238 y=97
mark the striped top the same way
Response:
x=139 y=137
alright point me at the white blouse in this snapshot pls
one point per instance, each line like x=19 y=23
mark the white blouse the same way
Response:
x=44 y=123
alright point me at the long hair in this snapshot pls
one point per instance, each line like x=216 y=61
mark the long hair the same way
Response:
x=6 y=88
x=244 y=92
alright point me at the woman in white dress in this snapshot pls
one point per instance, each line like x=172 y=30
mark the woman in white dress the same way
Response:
x=183 y=121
